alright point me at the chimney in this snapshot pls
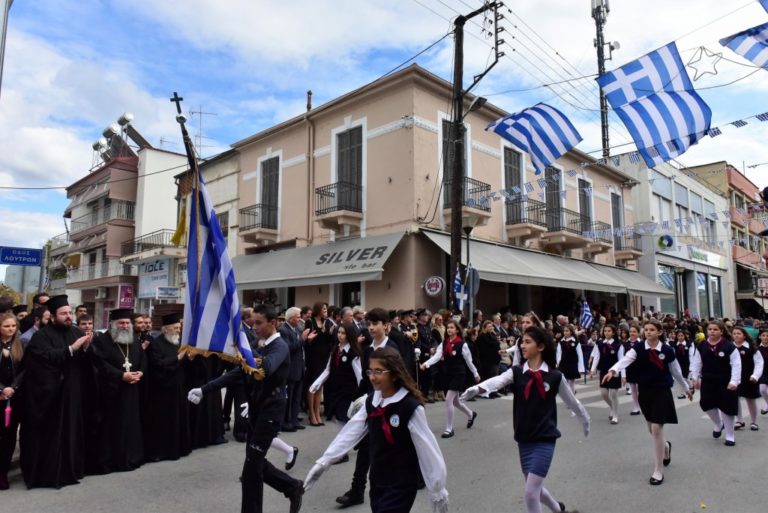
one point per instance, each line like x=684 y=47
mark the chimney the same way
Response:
x=309 y=100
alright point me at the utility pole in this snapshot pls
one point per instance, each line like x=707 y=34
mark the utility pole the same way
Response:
x=5 y=7
x=600 y=10
x=456 y=135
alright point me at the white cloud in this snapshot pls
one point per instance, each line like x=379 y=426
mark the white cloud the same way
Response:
x=28 y=228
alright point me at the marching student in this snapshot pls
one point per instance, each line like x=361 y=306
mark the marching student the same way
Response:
x=535 y=386
x=751 y=372
x=763 y=381
x=456 y=357
x=633 y=337
x=683 y=351
x=570 y=360
x=655 y=367
x=605 y=354
x=716 y=371
x=527 y=320
x=400 y=442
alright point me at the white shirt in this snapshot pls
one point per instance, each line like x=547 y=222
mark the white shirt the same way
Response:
x=357 y=368
x=596 y=355
x=579 y=353
x=735 y=359
x=265 y=343
x=757 y=372
x=430 y=457
x=674 y=367
x=465 y=352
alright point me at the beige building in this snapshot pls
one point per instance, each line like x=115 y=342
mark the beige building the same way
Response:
x=347 y=204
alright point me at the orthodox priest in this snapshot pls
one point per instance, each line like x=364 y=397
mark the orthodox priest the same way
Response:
x=57 y=401
x=121 y=363
x=168 y=430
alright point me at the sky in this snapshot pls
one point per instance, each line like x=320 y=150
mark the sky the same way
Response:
x=73 y=66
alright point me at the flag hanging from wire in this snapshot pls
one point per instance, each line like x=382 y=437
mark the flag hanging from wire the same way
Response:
x=655 y=99
x=752 y=44
x=541 y=131
x=459 y=291
x=764 y=3
x=585 y=321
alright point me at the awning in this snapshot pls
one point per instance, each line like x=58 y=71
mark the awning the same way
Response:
x=749 y=267
x=505 y=264
x=336 y=262
x=635 y=282
x=763 y=302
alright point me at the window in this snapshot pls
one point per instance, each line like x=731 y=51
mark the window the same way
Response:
x=681 y=195
x=701 y=290
x=511 y=168
x=661 y=209
x=717 y=301
x=223 y=219
x=617 y=215
x=661 y=185
x=270 y=187
x=350 y=156
x=738 y=200
x=553 y=201
x=585 y=204
x=449 y=148
x=696 y=204
x=666 y=278
x=682 y=214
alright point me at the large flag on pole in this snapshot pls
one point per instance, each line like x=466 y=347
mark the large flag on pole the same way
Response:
x=212 y=310
x=764 y=3
x=585 y=321
x=460 y=292
x=541 y=131
x=752 y=44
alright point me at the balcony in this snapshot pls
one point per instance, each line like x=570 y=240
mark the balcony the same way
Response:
x=59 y=244
x=526 y=218
x=103 y=273
x=565 y=229
x=739 y=218
x=258 y=224
x=475 y=203
x=601 y=236
x=150 y=246
x=627 y=247
x=116 y=210
x=339 y=205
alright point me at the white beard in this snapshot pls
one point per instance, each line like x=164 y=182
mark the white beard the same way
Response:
x=122 y=337
x=172 y=338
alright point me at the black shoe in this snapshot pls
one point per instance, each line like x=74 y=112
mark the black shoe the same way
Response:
x=730 y=443
x=296 y=497
x=716 y=434
x=656 y=482
x=738 y=425
x=300 y=426
x=289 y=466
x=634 y=413
x=226 y=425
x=763 y=412
x=240 y=437
x=430 y=401
x=562 y=506
x=219 y=440
x=494 y=395
x=668 y=459
x=471 y=421
x=447 y=434
x=681 y=396
x=350 y=499
x=289 y=429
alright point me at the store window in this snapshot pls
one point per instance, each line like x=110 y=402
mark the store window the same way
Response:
x=665 y=276
x=717 y=300
x=701 y=290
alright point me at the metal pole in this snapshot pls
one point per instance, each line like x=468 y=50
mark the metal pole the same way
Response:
x=5 y=8
x=470 y=296
x=600 y=15
x=456 y=153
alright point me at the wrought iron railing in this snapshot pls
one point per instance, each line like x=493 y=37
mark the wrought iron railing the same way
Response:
x=627 y=242
x=111 y=267
x=154 y=240
x=115 y=210
x=339 y=196
x=476 y=194
x=526 y=211
x=564 y=220
x=600 y=231
x=258 y=216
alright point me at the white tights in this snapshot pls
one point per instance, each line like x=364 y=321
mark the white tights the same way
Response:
x=633 y=391
x=284 y=447
x=452 y=401
x=720 y=419
x=752 y=408
x=611 y=397
x=536 y=495
x=764 y=393
x=659 y=448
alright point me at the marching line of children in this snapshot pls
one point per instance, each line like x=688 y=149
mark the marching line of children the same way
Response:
x=605 y=354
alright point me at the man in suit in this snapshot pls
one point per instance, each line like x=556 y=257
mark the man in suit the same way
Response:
x=289 y=331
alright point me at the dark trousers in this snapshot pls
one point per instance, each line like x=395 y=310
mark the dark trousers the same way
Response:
x=257 y=470
x=8 y=436
x=294 y=389
x=425 y=381
x=392 y=499
x=235 y=396
x=362 y=465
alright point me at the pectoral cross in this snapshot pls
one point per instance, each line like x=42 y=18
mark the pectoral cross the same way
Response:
x=127 y=365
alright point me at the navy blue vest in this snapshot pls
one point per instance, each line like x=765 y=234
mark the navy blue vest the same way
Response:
x=716 y=363
x=454 y=363
x=395 y=464
x=649 y=374
x=747 y=363
x=609 y=355
x=535 y=419
x=569 y=358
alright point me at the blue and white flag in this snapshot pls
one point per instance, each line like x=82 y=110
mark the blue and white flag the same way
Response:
x=459 y=291
x=585 y=321
x=541 y=131
x=752 y=44
x=655 y=99
x=764 y=3
x=212 y=310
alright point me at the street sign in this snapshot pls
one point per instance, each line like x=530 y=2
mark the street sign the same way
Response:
x=473 y=281
x=21 y=256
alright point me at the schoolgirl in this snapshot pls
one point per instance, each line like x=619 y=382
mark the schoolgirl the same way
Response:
x=456 y=356
x=751 y=372
x=535 y=386
x=401 y=443
x=655 y=366
x=763 y=381
x=630 y=375
x=529 y=319
x=716 y=371
x=11 y=379
x=683 y=351
x=342 y=374
x=606 y=353
x=570 y=360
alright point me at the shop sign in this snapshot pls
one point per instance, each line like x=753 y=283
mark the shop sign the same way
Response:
x=125 y=297
x=152 y=275
x=434 y=286
x=167 y=293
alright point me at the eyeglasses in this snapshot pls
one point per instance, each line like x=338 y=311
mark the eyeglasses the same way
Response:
x=375 y=372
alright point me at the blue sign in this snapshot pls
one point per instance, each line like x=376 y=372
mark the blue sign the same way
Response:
x=21 y=256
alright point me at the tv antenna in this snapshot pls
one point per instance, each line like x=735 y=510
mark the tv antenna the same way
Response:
x=199 y=136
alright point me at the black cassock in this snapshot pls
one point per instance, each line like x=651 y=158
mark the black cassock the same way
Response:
x=206 y=424
x=59 y=404
x=120 y=440
x=168 y=430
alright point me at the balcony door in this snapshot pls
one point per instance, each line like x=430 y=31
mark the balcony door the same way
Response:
x=270 y=187
x=585 y=205
x=350 y=169
x=554 y=201
x=617 y=216
x=515 y=206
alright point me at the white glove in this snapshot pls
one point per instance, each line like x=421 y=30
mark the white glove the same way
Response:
x=195 y=395
x=244 y=413
x=440 y=505
x=470 y=393
x=314 y=474
x=417 y=352
x=356 y=405
x=586 y=428
x=313 y=388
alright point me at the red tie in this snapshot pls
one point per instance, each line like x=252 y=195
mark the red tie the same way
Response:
x=379 y=412
x=337 y=357
x=655 y=359
x=539 y=380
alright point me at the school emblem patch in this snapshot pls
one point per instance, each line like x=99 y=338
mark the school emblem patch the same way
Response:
x=546 y=386
x=394 y=420
x=721 y=354
x=344 y=358
x=662 y=356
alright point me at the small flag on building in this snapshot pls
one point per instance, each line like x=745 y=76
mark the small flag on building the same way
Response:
x=586 y=315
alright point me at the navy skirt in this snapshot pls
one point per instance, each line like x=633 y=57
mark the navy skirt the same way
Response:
x=657 y=404
x=536 y=457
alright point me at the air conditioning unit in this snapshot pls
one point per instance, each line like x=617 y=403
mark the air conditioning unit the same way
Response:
x=101 y=293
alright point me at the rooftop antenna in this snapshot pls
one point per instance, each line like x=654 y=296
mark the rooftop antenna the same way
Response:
x=199 y=136
x=164 y=141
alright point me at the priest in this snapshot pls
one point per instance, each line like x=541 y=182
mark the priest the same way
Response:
x=121 y=363
x=168 y=430
x=58 y=385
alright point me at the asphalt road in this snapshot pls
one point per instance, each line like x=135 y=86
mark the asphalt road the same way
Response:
x=607 y=472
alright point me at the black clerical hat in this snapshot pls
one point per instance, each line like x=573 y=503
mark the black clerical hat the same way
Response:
x=171 y=318
x=120 y=313
x=56 y=302
x=18 y=309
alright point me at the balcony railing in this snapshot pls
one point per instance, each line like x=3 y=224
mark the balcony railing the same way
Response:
x=60 y=241
x=627 y=243
x=526 y=211
x=111 y=267
x=154 y=240
x=600 y=231
x=339 y=196
x=258 y=216
x=564 y=220
x=115 y=210
x=475 y=194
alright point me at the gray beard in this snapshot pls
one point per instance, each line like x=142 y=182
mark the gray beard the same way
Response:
x=122 y=337
x=173 y=339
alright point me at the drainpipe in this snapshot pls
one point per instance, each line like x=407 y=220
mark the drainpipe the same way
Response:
x=310 y=169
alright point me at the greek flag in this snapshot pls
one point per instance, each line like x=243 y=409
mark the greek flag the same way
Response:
x=764 y=3
x=752 y=44
x=586 y=315
x=212 y=310
x=655 y=99
x=542 y=131
x=458 y=289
